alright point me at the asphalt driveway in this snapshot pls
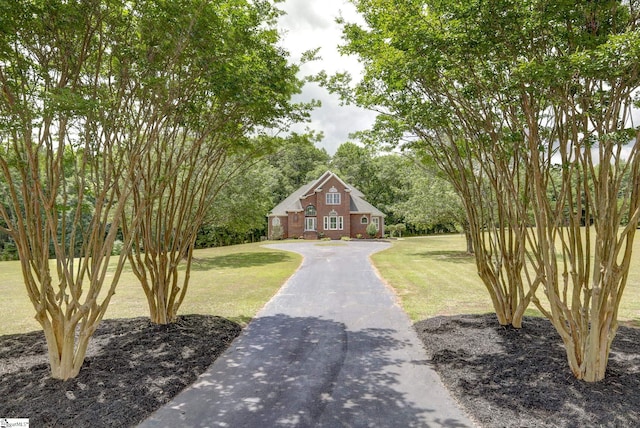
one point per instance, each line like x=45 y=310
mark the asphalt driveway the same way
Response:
x=331 y=349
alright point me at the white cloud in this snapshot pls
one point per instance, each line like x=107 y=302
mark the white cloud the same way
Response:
x=311 y=24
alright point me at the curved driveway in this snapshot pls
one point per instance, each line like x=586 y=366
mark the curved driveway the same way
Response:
x=331 y=349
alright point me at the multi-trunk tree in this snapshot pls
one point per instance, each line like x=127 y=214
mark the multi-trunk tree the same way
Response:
x=212 y=89
x=507 y=97
x=428 y=93
x=64 y=103
x=432 y=203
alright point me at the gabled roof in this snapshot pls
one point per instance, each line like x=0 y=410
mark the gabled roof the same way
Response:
x=292 y=202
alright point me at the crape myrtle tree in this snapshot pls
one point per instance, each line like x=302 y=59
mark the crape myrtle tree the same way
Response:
x=530 y=100
x=404 y=81
x=66 y=97
x=589 y=83
x=216 y=82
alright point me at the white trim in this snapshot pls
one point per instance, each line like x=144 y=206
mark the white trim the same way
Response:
x=328 y=175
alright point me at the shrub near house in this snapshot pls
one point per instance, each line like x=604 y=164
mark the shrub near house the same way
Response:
x=326 y=207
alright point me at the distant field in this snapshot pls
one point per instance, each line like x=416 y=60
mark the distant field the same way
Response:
x=433 y=276
x=232 y=282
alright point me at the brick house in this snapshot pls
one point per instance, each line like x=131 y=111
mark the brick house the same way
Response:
x=326 y=207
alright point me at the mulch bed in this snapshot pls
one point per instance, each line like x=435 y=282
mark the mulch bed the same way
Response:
x=132 y=368
x=505 y=377
x=502 y=377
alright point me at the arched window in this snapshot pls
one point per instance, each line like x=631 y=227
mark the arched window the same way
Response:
x=310 y=211
x=364 y=220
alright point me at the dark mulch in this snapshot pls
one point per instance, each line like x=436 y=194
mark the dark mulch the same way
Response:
x=501 y=376
x=133 y=367
x=505 y=377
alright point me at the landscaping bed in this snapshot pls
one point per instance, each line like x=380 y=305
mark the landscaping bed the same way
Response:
x=132 y=368
x=504 y=377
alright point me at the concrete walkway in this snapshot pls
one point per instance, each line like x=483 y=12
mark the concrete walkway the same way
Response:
x=331 y=349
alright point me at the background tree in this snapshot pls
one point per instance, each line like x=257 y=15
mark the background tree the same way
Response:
x=381 y=177
x=237 y=214
x=65 y=99
x=354 y=164
x=296 y=162
x=391 y=229
x=432 y=204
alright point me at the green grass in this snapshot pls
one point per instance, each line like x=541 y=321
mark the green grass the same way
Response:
x=433 y=276
x=232 y=282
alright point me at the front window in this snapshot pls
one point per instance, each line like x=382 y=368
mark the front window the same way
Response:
x=310 y=211
x=333 y=222
x=333 y=198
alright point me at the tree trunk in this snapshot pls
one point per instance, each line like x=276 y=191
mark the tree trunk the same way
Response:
x=469 y=239
x=588 y=358
x=66 y=351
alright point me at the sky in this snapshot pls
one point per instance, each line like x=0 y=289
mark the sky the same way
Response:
x=310 y=24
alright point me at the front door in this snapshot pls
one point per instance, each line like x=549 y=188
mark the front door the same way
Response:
x=310 y=224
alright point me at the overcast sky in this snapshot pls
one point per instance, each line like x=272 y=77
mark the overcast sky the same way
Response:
x=310 y=24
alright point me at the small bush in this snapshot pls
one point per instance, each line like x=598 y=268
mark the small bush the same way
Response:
x=372 y=231
x=391 y=228
x=359 y=236
x=118 y=245
x=345 y=238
